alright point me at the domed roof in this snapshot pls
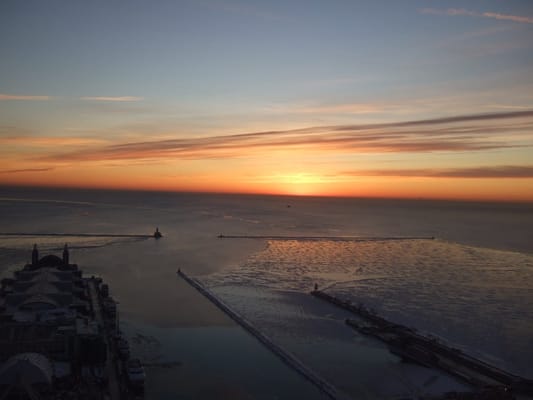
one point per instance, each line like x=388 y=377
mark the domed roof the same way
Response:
x=39 y=300
x=50 y=261
x=33 y=367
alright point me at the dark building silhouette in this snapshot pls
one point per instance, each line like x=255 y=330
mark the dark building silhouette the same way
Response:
x=54 y=331
x=65 y=255
x=35 y=255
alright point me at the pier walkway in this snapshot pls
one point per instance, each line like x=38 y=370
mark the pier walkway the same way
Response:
x=110 y=370
x=111 y=235
x=286 y=357
x=333 y=238
x=411 y=345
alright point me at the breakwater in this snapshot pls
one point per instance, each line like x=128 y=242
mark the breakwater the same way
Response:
x=111 y=235
x=334 y=238
x=428 y=351
x=286 y=357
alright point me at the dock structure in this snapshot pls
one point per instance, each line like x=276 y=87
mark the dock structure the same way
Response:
x=96 y=235
x=286 y=357
x=110 y=365
x=157 y=234
x=333 y=238
x=428 y=351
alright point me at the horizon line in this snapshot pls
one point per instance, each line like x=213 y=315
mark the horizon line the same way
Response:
x=266 y=194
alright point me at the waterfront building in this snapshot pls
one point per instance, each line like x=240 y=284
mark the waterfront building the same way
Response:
x=53 y=332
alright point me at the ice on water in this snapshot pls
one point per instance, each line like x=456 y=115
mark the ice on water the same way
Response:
x=477 y=299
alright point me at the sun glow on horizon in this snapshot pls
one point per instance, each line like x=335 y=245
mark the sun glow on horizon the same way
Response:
x=269 y=99
x=297 y=184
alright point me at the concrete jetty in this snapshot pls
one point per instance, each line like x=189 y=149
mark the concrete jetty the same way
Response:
x=156 y=234
x=76 y=235
x=110 y=367
x=286 y=357
x=334 y=238
x=427 y=351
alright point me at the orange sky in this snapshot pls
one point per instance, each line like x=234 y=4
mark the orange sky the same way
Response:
x=416 y=159
x=317 y=98
x=520 y=190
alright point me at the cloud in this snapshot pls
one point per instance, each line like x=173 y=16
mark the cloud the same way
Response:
x=449 y=11
x=17 y=171
x=463 y=12
x=114 y=99
x=45 y=141
x=505 y=171
x=447 y=120
x=4 y=96
x=508 y=107
x=514 y=18
x=473 y=132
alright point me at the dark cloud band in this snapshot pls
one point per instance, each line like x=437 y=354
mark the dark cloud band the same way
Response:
x=475 y=132
x=506 y=171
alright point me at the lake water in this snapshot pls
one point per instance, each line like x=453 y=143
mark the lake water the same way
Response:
x=472 y=286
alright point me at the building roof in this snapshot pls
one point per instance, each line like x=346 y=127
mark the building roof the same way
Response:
x=50 y=261
x=39 y=299
x=43 y=281
x=29 y=368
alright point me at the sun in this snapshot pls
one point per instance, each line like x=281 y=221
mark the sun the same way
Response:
x=301 y=184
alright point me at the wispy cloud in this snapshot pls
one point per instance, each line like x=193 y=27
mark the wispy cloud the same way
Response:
x=508 y=107
x=515 y=18
x=504 y=171
x=115 y=99
x=4 y=96
x=473 y=132
x=49 y=141
x=464 y=12
x=449 y=11
x=18 y=171
x=452 y=119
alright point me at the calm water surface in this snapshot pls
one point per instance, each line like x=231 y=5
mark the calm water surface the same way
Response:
x=472 y=286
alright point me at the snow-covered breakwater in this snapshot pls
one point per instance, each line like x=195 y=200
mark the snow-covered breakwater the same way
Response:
x=286 y=357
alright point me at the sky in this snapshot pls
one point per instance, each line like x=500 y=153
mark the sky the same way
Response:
x=408 y=99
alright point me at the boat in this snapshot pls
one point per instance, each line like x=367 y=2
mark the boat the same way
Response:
x=157 y=234
x=135 y=372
